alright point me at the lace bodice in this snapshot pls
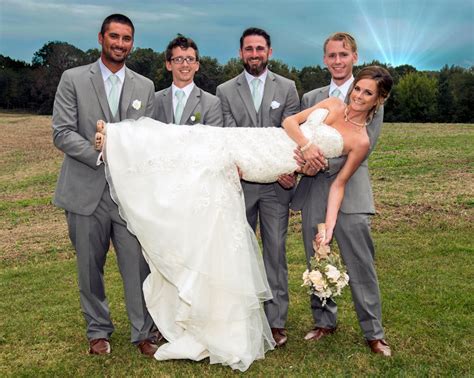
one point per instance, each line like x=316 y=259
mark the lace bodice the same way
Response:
x=263 y=154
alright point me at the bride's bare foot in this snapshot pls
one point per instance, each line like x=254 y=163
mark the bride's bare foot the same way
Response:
x=100 y=135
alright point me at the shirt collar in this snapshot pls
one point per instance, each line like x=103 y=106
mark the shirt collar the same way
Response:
x=262 y=77
x=187 y=89
x=344 y=88
x=106 y=72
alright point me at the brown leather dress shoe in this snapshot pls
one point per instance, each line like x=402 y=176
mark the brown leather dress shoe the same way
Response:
x=147 y=347
x=318 y=333
x=380 y=347
x=280 y=337
x=99 y=346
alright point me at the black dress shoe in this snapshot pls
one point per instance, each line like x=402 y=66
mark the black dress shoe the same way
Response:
x=280 y=337
x=318 y=333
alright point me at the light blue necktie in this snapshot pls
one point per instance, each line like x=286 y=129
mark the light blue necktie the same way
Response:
x=337 y=93
x=256 y=93
x=114 y=94
x=179 y=106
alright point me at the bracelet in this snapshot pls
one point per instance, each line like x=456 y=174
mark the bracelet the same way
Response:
x=306 y=146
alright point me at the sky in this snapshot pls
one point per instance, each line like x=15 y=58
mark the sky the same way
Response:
x=426 y=34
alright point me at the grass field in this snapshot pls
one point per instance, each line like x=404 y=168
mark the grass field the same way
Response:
x=423 y=179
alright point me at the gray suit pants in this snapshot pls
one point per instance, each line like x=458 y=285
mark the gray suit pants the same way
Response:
x=262 y=203
x=91 y=236
x=352 y=234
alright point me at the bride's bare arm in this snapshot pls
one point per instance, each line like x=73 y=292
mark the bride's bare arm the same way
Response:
x=309 y=151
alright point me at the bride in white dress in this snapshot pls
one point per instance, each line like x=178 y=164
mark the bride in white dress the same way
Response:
x=179 y=191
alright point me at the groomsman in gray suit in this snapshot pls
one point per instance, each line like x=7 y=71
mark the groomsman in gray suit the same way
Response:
x=184 y=103
x=352 y=230
x=105 y=90
x=260 y=98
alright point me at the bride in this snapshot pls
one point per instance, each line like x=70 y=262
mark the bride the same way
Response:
x=179 y=191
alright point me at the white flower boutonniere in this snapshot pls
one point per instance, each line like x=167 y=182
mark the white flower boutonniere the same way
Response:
x=275 y=104
x=195 y=117
x=137 y=104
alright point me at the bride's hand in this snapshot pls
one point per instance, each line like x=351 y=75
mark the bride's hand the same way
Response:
x=314 y=157
x=100 y=135
x=318 y=239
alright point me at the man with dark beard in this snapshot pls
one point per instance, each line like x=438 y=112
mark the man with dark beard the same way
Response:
x=260 y=98
x=105 y=90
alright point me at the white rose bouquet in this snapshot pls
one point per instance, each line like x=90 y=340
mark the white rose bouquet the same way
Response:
x=328 y=275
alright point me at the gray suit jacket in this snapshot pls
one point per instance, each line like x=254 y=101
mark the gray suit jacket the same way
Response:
x=80 y=101
x=358 y=196
x=280 y=100
x=205 y=107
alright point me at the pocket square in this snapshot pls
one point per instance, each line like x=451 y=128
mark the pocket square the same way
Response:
x=137 y=104
x=275 y=105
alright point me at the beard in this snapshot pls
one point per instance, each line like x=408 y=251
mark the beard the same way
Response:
x=255 y=69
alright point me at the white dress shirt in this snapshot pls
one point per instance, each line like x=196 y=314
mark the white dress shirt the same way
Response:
x=344 y=88
x=262 y=78
x=108 y=86
x=105 y=76
x=187 y=92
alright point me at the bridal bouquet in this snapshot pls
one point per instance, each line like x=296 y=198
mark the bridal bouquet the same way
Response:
x=328 y=275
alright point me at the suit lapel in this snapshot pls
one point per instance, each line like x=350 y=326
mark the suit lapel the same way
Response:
x=246 y=96
x=127 y=91
x=191 y=104
x=99 y=88
x=325 y=93
x=268 y=96
x=168 y=104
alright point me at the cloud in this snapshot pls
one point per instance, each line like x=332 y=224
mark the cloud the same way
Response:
x=423 y=33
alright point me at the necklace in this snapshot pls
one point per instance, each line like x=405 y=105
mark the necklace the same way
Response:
x=347 y=119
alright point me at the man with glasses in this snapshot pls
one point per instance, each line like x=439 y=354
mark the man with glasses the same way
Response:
x=184 y=103
x=260 y=98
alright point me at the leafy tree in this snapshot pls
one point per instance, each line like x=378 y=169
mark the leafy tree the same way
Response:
x=15 y=83
x=416 y=95
x=91 y=56
x=145 y=61
x=209 y=75
x=445 y=96
x=58 y=56
x=463 y=95
x=231 y=69
x=313 y=77
x=49 y=63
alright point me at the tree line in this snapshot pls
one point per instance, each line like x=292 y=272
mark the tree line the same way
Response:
x=418 y=96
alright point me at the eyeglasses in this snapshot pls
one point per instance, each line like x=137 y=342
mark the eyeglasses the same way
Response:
x=181 y=59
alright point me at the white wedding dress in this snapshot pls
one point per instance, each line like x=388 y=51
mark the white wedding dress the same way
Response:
x=179 y=191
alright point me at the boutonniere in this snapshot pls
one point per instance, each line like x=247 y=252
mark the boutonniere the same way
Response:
x=137 y=104
x=275 y=104
x=196 y=117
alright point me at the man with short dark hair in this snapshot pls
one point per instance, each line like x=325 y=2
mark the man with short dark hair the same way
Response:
x=104 y=90
x=260 y=98
x=184 y=103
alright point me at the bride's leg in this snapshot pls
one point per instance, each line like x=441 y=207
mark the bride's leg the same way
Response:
x=100 y=135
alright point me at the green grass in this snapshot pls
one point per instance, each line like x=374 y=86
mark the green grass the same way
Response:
x=423 y=183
